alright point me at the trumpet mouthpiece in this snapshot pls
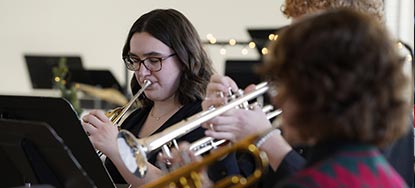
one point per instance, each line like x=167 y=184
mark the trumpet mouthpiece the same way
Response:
x=146 y=83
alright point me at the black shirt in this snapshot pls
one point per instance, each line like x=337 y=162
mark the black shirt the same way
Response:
x=135 y=122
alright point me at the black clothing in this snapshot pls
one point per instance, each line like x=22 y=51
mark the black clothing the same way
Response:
x=135 y=121
x=400 y=155
x=293 y=162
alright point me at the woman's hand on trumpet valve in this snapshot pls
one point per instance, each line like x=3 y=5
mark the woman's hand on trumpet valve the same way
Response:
x=234 y=124
x=101 y=132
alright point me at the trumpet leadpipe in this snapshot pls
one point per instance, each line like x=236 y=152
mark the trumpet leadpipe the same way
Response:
x=185 y=126
x=118 y=117
x=139 y=148
x=117 y=114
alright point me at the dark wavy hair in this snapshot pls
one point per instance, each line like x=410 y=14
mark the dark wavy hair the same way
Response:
x=344 y=74
x=173 y=29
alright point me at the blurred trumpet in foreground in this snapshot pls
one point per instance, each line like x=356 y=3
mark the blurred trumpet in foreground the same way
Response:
x=134 y=151
x=189 y=175
x=110 y=95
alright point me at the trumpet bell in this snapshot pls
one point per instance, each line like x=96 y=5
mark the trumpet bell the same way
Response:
x=132 y=153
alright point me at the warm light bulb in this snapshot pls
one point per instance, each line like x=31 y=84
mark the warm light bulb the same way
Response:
x=212 y=41
x=275 y=37
x=232 y=42
x=251 y=45
x=400 y=45
x=271 y=36
x=409 y=58
x=244 y=51
x=264 y=51
x=57 y=79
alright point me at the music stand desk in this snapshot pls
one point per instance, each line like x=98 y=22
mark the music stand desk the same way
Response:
x=32 y=153
x=58 y=113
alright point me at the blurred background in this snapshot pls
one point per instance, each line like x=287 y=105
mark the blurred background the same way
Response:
x=94 y=31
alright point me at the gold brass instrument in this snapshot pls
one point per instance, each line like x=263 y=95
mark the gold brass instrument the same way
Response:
x=110 y=95
x=134 y=151
x=206 y=144
x=188 y=175
x=118 y=113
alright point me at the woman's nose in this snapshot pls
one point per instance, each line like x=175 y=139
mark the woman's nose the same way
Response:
x=143 y=71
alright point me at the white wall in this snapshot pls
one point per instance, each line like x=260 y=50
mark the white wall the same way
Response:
x=400 y=19
x=96 y=30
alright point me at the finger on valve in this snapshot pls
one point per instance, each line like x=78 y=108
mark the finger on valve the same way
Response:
x=181 y=157
x=164 y=162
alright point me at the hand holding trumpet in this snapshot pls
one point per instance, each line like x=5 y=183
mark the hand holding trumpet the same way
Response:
x=237 y=124
x=101 y=132
x=234 y=124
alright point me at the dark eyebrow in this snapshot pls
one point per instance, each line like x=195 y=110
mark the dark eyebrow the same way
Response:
x=131 y=54
x=146 y=54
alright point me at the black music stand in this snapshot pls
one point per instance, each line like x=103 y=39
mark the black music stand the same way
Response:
x=242 y=71
x=40 y=68
x=32 y=153
x=58 y=113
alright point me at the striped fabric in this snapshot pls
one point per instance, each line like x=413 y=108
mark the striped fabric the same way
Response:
x=352 y=166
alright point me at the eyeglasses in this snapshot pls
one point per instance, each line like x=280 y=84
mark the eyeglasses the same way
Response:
x=152 y=64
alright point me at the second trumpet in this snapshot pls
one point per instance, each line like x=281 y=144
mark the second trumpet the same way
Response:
x=134 y=151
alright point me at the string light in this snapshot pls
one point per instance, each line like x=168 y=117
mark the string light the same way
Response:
x=251 y=44
x=222 y=51
x=275 y=37
x=232 y=42
x=400 y=45
x=409 y=58
x=244 y=51
x=211 y=40
x=264 y=51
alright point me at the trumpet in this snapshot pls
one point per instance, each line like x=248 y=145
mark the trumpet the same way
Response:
x=188 y=175
x=118 y=113
x=134 y=151
x=206 y=144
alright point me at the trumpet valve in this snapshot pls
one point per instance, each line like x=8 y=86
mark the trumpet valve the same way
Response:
x=112 y=114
